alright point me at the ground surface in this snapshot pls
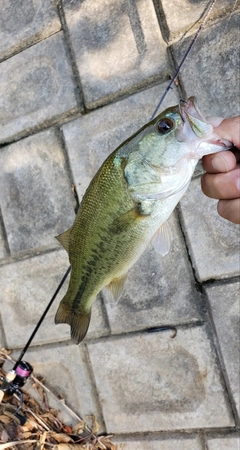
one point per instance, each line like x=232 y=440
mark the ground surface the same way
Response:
x=76 y=79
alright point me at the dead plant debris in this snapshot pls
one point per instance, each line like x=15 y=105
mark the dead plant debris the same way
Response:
x=43 y=429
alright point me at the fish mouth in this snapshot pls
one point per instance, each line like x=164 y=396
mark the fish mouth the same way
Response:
x=196 y=127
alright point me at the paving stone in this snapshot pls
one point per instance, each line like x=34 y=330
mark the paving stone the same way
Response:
x=66 y=374
x=36 y=88
x=3 y=243
x=158 y=291
x=213 y=242
x=150 y=382
x=157 y=444
x=224 y=443
x=91 y=138
x=180 y=16
x=225 y=309
x=36 y=198
x=26 y=22
x=98 y=325
x=2 y=338
x=26 y=288
x=211 y=71
x=116 y=46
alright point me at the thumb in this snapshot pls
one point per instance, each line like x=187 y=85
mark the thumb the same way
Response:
x=215 y=121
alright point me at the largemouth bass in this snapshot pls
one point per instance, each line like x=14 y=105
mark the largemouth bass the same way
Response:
x=127 y=204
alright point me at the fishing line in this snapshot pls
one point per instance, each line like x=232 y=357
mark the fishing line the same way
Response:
x=209 y=10
x=17 y=376
x=22 y=370
x=41 y=319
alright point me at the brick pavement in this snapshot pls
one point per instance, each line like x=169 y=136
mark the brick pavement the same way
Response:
x=76 y=79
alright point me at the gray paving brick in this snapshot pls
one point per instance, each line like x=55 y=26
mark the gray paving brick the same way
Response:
x=152 y=382
x=180 y=16
x=26 y=288
x=98 y=326
x=211 y=71
x=65 y=372
x=213 y=242
x=26 y=22
x=158 y=291
x=224 y=443
x=2 y=338
x=36 y=88
x=91 y=138
x=116 y=45
x=158 y=444
x=3 y=253
x=3 y=243
x=36 y=198
x=225 y=308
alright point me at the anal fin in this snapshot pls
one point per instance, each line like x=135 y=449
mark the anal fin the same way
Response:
x=113 y=291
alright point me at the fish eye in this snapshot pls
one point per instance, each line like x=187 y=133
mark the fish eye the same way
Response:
x=164 y=126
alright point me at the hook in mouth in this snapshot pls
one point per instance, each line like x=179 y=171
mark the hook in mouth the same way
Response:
x=180 y=108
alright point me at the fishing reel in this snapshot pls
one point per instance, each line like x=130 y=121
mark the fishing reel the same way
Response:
x=13 y=382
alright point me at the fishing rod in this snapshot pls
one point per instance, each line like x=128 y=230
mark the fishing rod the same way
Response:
x=21 y=371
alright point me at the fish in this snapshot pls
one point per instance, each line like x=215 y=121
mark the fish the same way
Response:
x=127 y=204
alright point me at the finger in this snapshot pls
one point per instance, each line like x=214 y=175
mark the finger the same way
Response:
x=219 y=162
x=215 y=121
x=230 y=210
x=230 y=129
x=222 y=185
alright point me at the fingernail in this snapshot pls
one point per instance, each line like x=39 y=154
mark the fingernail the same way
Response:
x=220 y=164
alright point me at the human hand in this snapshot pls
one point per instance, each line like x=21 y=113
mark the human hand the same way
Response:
x=222 y=180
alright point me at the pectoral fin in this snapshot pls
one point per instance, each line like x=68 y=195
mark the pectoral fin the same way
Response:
x=162 y=239
x=64 y=239
x=127 y=220
x=114 y=290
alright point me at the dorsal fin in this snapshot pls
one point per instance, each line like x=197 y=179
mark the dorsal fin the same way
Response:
x=63 y=238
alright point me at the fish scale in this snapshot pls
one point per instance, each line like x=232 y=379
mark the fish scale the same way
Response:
x=127 y=204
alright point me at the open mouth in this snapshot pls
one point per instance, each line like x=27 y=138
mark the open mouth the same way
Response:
x=196 y=126
x=197 y=131
x=191 y=113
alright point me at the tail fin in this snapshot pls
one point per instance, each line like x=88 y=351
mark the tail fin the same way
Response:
x=79 y=323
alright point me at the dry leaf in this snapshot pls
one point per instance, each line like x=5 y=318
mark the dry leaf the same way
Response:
x=79 y=427
x=41 y=428
x=28 y=434
x=13 y=430
x=95 y=425
x=5 y=419
x=12 y=444
x=4 y=436
x=105 y=440
x=42 y=440
x=5 y=351
x=28 y=426
x=70 y=447
x=61 y=437
x=67 y=429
